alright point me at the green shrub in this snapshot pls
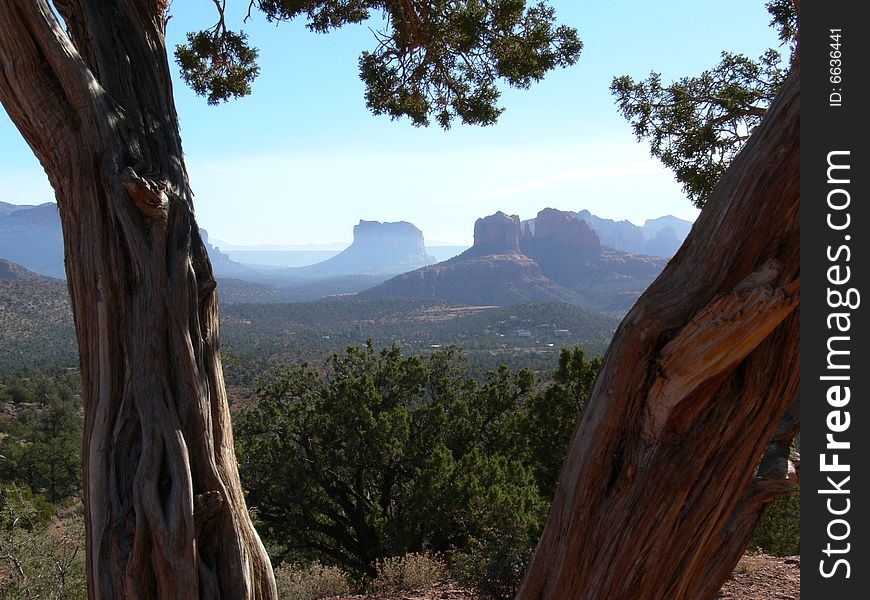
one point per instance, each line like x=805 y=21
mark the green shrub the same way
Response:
x=410 y=572
x=310 y=581
x=38 y=558
x=779 y=532
x=385 y=455
x=494 y=566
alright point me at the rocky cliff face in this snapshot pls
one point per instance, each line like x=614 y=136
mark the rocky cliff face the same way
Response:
x=402 y=238
x=560 y=233
x=658 y=237
x=377 y=248
x=621 y=235
x=497 y=233
x=553 y=257
x=223 y=265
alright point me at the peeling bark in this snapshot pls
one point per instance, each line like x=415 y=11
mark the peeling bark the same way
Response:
x=659 y=494
x=165 y=512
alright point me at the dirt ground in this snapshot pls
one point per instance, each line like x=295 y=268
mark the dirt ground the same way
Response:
x=756 y=577
x=764 y=578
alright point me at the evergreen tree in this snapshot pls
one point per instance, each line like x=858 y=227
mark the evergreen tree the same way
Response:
x=697 y=125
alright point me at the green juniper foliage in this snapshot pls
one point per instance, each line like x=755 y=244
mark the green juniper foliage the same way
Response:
x=433 y=58
x=218 y=64
x=386 y=454
x=697 y=125
x=41 y=445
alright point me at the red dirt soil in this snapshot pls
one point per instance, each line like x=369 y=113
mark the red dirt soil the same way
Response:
x=757 y=577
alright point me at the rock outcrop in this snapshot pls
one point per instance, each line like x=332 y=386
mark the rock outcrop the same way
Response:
x=377 y=248
x=497 y=233
x=658 y=237
x=620 y=235
x=222 y=265
x=558 y=233
x=556 y=256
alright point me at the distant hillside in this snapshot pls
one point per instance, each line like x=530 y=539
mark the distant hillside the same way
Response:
x=36 y=329
x=557 y=258
x=278 y=257
x=527 y=334
x=11 y=270
x=224 y=266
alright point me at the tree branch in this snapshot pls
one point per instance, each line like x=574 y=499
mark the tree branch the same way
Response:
x=45 y=85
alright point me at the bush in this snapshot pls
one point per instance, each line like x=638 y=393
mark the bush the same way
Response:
x=410 y=572
x=386 y=455
x=495 y=565
x=779 y=532
x=310 y=581
x=38 y=558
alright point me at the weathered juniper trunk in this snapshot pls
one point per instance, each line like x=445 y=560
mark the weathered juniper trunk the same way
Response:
x=165 y=513
x=659 y=493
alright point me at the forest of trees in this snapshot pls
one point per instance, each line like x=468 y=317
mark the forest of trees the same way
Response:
x=374 y=455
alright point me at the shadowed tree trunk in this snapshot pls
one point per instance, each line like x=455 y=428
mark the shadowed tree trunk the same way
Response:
x=164 y=508
x=659 y=494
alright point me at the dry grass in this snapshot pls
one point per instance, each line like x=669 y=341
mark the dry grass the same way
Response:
x=410 y=572
x=307 y=582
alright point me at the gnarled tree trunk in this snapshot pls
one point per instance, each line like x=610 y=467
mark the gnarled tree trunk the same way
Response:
x=659 y=494
x=165 y=512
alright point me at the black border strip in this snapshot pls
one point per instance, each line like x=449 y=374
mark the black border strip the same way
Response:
x=835 y=225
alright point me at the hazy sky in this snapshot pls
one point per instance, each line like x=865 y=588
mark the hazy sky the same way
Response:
x=302 y=160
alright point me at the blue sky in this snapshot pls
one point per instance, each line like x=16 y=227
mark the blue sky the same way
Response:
x=302 y=160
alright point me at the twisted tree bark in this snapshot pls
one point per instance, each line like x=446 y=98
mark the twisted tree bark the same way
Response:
x=165 y=512
x=659 y=494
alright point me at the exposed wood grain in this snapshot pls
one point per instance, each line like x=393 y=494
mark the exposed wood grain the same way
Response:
x=165 y=512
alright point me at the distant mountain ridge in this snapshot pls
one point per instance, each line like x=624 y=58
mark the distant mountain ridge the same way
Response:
x=657 y=237
x=11 y=270
x=558 y=257
x=562 y=256
x=31 y=236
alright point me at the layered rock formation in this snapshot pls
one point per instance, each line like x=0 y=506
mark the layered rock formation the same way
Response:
x=377 y=248
x=497 y=233
x=657 y=237
x=222 y=265
x=554 y=257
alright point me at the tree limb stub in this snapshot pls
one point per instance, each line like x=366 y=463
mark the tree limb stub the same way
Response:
x=149 y=196
x=712 y=343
